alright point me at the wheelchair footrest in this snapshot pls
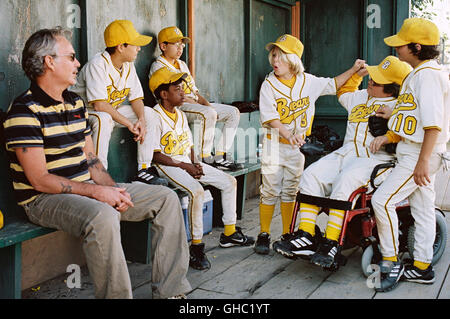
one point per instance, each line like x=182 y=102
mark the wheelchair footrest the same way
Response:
x=324 y=202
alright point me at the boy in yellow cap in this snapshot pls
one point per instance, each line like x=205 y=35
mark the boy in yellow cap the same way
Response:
x=420 y=120
x=340 y=173
x=108 y=80
x=175 y=159
x=287 y=99
x=197 y=108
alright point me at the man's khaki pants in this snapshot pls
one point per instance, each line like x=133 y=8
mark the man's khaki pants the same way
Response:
x=99 y=226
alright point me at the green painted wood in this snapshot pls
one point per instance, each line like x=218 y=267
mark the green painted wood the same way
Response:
x=122 y=155
x=10 y=272
x=183 y=24
x=136 y=241
x=268 y=22
x=19 y=231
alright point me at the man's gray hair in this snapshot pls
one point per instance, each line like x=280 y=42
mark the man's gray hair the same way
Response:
x=38 y=46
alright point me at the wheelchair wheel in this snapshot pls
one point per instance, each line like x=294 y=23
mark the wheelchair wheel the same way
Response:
x=368 y=259
x=440 y=240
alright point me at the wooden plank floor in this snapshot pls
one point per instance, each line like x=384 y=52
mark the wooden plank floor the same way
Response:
x=239 y=273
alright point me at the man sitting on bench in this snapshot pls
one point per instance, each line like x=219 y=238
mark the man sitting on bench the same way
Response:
x=62 y=185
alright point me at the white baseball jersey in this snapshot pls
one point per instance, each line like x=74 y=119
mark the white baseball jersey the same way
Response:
x=175 y=138
x=281 y=164
x=189 y=87
x=295 y=107
x=99 y=80
x=360 y=106
x=423 y=106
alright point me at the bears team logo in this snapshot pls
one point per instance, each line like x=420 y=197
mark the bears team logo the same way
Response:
x=386 y=65
x=282 y=38
x=361 y=112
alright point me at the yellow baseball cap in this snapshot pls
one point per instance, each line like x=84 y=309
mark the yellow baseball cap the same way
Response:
x=172 y=35
x=390 y=70
x=288 y=44
x=123 y=31
x=415 y=30
x=164 y=76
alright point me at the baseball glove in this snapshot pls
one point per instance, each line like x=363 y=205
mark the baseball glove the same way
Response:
x=377 y=125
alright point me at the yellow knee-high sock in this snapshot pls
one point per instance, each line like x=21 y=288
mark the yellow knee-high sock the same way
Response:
x=265 y=217
x=421 y=265
x=229 y=230
x=334 y=226
x=394 y=258
x=287 y=210
x=308 y=216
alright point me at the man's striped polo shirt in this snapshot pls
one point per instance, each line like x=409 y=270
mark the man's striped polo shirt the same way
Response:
x=37 y=120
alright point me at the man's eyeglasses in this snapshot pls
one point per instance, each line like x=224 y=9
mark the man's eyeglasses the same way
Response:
x=71 y=56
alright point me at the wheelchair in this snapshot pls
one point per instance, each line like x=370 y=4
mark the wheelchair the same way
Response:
x=359 y=225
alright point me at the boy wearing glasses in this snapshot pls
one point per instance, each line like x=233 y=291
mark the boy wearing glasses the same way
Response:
x=196 y=107
x=105 y=83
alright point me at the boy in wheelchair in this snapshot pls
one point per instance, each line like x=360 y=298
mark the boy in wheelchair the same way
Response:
x=331 y=180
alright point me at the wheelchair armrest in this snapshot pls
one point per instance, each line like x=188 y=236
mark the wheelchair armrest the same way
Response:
x=376 y=169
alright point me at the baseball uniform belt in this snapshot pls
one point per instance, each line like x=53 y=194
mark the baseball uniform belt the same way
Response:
x=282 y=140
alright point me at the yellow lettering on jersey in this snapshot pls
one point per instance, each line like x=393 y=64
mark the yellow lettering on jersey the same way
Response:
x=293 y=111
x=175 y=145
x=115 y=96
x=187 y=85
x=361 y=112
x=405 y=102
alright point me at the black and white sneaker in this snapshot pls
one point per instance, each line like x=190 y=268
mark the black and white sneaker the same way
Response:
x=224 y=164
x=326 y=253
x=235 y=239
x=150 y=176
x=414 y=274
x=262 y=245
x=300 y=244
x=391 y=272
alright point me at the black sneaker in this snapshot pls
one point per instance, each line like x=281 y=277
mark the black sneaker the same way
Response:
x=150 y=176
x=198 y=259
x=391 y=272
x=236 y=239
x=262 y=245
x=414 y=274
x=226 y=165
x=300 y=244
x=326 y=253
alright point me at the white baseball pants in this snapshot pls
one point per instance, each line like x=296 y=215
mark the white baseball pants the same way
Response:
x=400 y=185
x=281 y=168
x=337 y=176
x=102 y=126
x=224 y=182
x=208 y=116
